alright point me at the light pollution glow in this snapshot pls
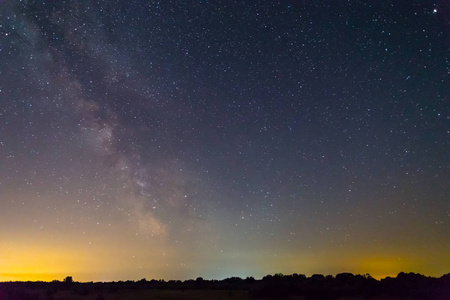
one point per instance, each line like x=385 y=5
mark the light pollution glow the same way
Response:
x=104 y=261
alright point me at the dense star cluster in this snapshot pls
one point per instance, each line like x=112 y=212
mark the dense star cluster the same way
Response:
x=171 y=139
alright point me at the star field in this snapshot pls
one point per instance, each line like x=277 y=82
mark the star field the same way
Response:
x=172 y=140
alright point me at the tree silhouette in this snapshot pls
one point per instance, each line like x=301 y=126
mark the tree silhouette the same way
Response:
x=68 y=279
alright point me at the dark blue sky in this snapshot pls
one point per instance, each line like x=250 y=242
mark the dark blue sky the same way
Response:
x=223 y=138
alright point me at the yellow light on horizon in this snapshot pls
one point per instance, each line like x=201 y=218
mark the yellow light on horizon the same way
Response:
x=30 y=277
x=20 y=263
x=47 y=261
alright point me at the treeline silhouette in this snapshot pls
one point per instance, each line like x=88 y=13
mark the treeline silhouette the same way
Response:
x=278 y=286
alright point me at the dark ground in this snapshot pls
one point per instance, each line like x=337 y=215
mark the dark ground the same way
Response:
x=344 y=286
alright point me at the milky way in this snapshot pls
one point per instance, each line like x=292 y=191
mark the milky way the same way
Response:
x=163 y=139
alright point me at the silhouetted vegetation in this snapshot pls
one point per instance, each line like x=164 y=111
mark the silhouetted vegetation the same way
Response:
x=278 y=286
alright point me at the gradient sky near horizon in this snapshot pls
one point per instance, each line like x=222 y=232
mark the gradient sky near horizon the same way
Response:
x=177 y=139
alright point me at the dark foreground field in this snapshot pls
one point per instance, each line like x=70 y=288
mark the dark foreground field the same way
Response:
x=182 y=295
x=344 y=286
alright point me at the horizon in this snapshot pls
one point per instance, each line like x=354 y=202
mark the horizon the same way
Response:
x=366 y=275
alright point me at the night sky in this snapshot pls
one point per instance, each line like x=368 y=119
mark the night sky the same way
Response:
x=177 y=139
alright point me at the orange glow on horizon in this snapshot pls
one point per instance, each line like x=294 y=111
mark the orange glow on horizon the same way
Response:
x=106 y=262
x=47 y=261
x=41 y=264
